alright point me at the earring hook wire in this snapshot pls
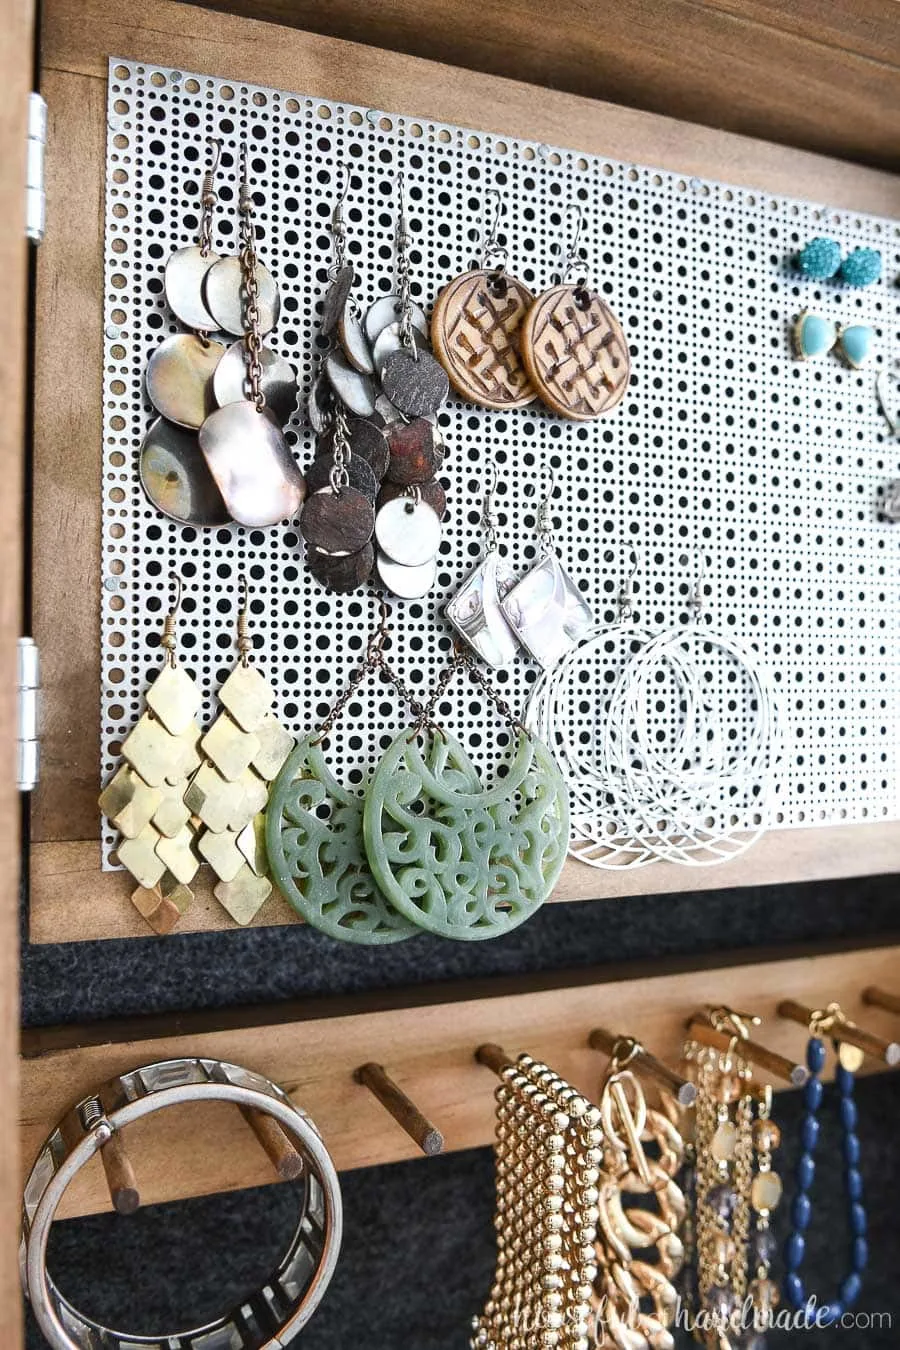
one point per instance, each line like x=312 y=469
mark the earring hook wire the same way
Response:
x=493 y=252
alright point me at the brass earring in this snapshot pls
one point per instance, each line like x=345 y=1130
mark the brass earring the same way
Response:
x=244 y=750
x=145 y=798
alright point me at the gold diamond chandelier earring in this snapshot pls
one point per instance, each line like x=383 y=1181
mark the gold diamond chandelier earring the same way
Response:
x=145 y=798
x=244 y=749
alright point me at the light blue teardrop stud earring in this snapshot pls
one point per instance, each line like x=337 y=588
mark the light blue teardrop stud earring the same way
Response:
x=855 y=343
x=862 y=267
x=813 y=336
x=820 y=258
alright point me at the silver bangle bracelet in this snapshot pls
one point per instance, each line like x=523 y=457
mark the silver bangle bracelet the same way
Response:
x=268 y=1319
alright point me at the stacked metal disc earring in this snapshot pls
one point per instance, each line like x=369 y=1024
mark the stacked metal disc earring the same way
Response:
x=351 y=448
x=145 y=798
x=475 y=328
x=179 y=383
x=242 y=442
x=414 y=385
x=475 y=610
x=573 y=345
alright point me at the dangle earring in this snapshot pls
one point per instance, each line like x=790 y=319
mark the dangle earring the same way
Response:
x=351 y=450
x=180 y=372
x=569 y=709
x=824 y=1023
x=244 y=750
x=573 y=345
x=232 y=284
x=474 y=610
x=700 y=785
x=459 y=859
x=314 y=830
x=244 y=448
x=179 y=383
x=475 y=328
x=546 y=610
x=411 y=378
x=145 y=798
x=412 y=504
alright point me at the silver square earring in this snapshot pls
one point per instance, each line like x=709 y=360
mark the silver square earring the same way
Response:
x=475 y=610
x=546 y=610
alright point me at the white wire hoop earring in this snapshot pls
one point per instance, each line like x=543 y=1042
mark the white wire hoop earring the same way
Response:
x=568 y=710
x=700 y=771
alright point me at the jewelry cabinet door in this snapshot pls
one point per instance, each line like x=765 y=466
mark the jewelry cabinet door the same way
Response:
x=16 y=65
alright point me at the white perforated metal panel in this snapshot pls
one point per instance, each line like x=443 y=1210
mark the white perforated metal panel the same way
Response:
x=724 y=443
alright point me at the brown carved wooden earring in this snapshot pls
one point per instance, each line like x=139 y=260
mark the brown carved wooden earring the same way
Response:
x=573 y=345
x=475 y=328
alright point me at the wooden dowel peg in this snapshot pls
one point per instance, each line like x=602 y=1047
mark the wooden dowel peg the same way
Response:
x=886 y=1051
x=405 y=1112
x=760 y=1055
x=647 y=1066
x=278 y=1147
x=493 y=1057
x=880 y=998
x=120 y=1176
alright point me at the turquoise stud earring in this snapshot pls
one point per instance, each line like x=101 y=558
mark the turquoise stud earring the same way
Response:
x=820 y=259
x=855 y=343
x=862 y=267
x=813 y=336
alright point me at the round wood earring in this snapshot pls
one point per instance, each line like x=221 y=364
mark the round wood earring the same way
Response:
x=573 y=345
x=575 y=352
x=475 y=335
x=475 y=328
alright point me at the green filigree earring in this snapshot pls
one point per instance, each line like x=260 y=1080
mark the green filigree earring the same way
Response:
x=314 y=833
x=456 y=858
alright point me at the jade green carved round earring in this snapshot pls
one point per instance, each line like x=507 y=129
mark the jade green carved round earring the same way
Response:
x=456 y=858
x=314 y=833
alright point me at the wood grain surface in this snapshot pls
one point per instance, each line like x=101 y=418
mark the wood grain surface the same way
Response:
x=15 y=85
x=73 y=901
x=425 y=1043
x=77 y=39
x=810 y=73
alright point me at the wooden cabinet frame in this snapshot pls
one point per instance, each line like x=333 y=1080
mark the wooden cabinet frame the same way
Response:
x=16 y=65
x=70 y=897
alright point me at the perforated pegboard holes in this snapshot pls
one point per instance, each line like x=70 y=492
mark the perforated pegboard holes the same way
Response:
x=722 y=442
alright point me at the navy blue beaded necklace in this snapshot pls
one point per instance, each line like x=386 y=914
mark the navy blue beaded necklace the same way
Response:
x=801 y=1210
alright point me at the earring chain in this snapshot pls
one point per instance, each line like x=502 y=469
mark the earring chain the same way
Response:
x=406 y=326
x=374 y=660
x=252 y=336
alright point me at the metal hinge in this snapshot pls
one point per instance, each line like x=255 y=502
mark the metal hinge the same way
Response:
x=35 y=193
x=28 y=759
